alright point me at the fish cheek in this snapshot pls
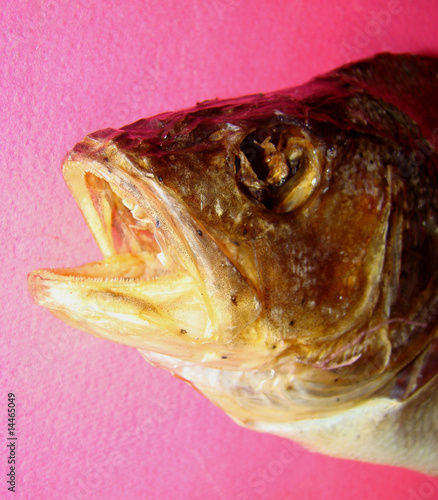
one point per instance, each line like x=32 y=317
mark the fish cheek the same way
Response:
x=336 y=255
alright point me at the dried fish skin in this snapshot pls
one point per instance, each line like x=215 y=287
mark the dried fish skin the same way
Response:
x=279 y=252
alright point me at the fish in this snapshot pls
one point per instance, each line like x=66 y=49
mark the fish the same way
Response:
x=278 y=252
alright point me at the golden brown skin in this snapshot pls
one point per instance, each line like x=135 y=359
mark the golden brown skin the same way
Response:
x=279 y=252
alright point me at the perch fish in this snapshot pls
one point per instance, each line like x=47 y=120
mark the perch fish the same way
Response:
x=279 y=252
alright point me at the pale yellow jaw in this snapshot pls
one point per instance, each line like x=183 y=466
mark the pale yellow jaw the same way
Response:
x=107 y=298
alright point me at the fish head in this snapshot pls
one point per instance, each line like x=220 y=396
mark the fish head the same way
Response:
x=276 y=251
x=230 y=236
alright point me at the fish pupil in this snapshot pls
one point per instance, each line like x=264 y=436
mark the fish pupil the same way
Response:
x=255 y=154
x=237 y=164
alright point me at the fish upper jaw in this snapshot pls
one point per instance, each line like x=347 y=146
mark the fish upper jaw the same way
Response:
x=163 y=285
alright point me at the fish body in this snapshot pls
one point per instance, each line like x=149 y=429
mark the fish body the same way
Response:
x=278 y=252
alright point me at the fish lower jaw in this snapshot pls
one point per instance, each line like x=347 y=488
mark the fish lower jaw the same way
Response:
x=109 y=300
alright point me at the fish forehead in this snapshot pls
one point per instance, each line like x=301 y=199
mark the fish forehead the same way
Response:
x=366 y=96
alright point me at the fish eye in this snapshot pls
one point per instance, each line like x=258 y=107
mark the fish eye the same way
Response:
x=278 y=169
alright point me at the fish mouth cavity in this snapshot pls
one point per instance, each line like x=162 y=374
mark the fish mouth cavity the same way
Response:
x=126 y=219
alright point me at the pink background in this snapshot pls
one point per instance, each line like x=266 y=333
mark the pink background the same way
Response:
x=94 y=420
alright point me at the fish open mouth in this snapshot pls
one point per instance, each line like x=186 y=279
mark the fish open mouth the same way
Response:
x=147 y=291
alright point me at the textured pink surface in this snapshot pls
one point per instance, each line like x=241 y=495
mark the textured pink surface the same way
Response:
x=94 y=420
